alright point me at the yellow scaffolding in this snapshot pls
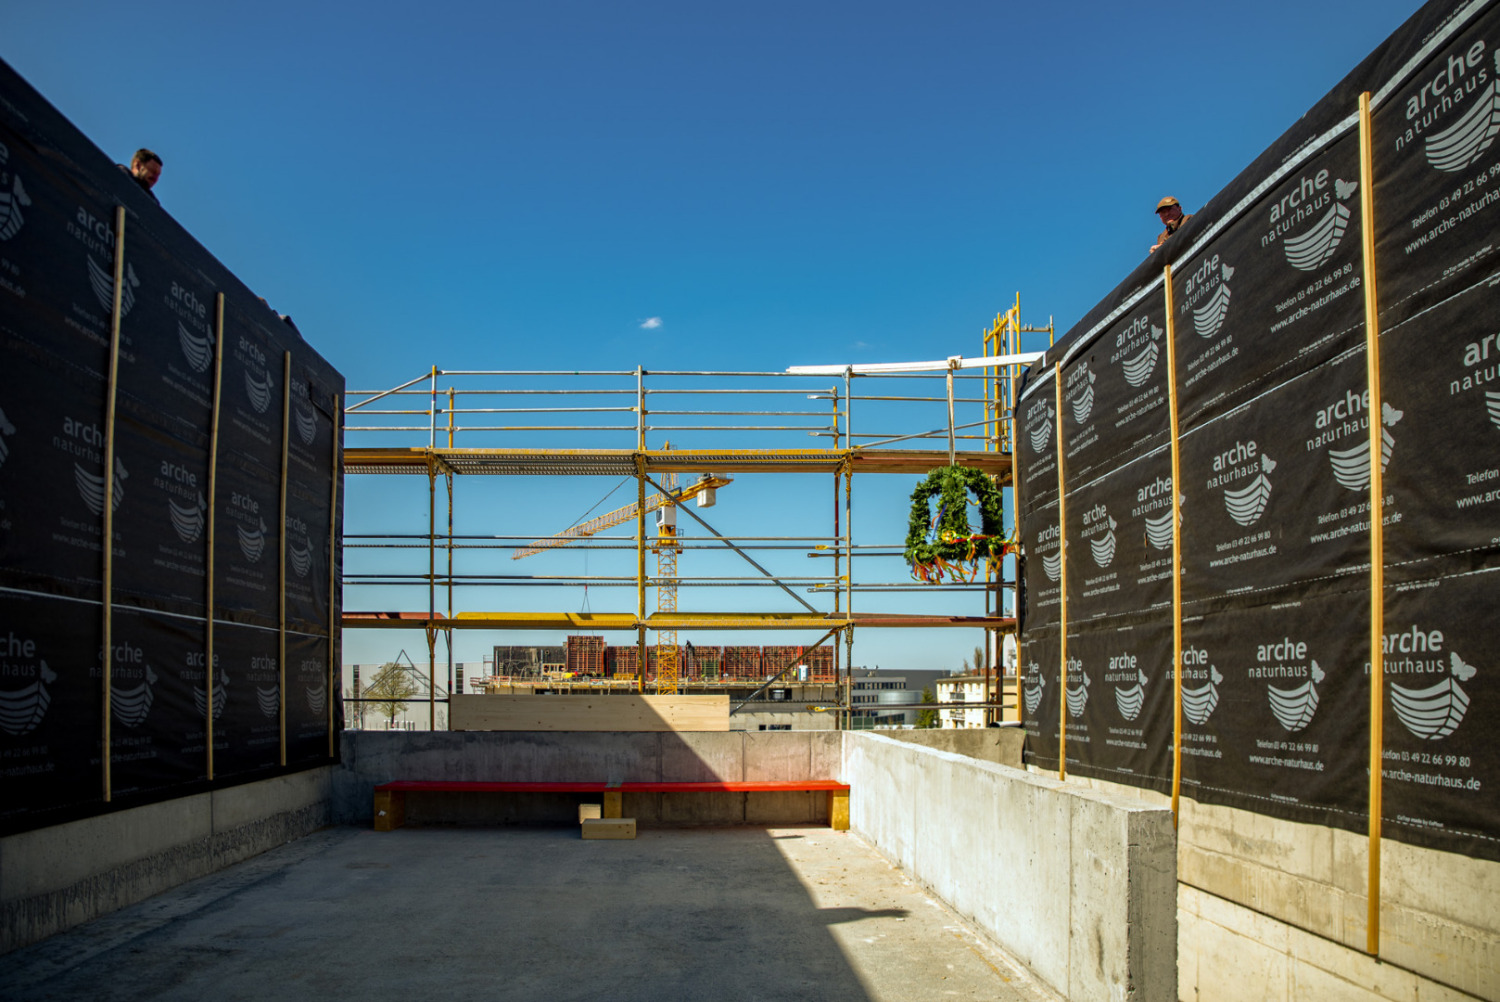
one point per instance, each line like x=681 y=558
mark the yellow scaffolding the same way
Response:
x=984 y=445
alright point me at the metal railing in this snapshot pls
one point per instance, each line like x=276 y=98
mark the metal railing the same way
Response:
x=625 y=409
x=845 y=415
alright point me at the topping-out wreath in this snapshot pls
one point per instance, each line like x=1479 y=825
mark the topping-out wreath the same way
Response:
x=943 y=545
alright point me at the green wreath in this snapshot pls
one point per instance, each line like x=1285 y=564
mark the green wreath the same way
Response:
x=945 y=544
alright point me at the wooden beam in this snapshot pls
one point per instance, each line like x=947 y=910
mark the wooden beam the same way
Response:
x=589 y=713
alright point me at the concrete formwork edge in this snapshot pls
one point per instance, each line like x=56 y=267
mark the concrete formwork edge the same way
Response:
x=55 y=878
x=1079 y=886
x=372 y=757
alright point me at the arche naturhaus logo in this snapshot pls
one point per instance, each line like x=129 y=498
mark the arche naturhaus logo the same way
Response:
x=24 y=681
x=1462 y=84
x=1320 y=201
x=1039 y=418
x=13 y=197
x=1033 y=687
x=1434 y=711
x=6 y=430
x=1206 y=295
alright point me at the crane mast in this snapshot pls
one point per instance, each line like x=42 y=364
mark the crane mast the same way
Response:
x=667 y=547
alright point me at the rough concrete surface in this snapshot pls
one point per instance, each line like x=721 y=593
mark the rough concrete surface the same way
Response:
x=1277 y=899
x=371 y=757
x=992 y=744
x=798 y=913
x=56 y=877
x=1077 y=885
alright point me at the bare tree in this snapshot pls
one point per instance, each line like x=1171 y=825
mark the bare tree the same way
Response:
x=386 y=692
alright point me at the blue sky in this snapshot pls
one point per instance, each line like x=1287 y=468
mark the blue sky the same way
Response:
x=518 y=186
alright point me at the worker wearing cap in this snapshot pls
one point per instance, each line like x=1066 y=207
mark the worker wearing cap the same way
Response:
x=1169 y=210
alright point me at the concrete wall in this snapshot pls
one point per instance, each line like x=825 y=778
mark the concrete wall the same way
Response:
x=54 y=878
x=800 y=718
x=371 y=757
x=989 y=744
x=1272 y=909
x=1078 y=885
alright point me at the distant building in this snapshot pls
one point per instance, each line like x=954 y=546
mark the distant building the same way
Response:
x=526 y=662
x=960 y=701
x=882 y=698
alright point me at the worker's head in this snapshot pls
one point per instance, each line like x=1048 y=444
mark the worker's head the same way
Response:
x=145 y=167
x=1169 y=210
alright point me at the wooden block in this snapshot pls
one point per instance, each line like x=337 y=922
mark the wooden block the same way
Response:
x=609 y=828
x=390 y=810
x=838 y=810
x=612 y=804
x=589 y=811
x=617 y=712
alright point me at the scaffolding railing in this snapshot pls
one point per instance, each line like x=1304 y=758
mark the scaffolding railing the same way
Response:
x=623 y=409
x=598 y=421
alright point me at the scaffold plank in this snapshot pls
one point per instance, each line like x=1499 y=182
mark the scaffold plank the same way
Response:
x=621 y=462
x=607 y=621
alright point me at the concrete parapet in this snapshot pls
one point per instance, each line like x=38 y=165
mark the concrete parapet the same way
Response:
x=1078 y=885
x=372 y=757
x=991 y=744
x=1281 y=883
x=54 y=878
x=1231 y=953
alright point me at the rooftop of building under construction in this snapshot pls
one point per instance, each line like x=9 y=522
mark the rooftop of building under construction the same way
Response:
x=796 y=912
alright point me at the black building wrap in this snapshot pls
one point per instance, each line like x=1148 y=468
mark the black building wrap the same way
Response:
x=58 y=199
x=1274 y=410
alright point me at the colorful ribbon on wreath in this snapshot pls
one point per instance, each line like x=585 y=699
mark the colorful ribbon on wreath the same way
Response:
x=955 y=551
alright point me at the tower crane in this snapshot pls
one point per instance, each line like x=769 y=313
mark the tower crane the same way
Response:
x=667 y=549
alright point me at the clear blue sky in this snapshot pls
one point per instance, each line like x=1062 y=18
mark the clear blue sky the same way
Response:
x=511 y=185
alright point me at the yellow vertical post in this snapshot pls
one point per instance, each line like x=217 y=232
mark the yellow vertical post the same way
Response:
x=1015 y=370
x=448 y=630
x=431 y=591
x=1015 y=477
x=849 y=672
x=640 y=529
x=431 y=678
x=286 y=442
x=1377 y=527
x=667 y=549
x=448 y=633
x=1176 y=549
x=1062 y=554
x=106 y=665
x=640 y=570
x=838 y=550
x=210 y=529
x=333 y=599
x=849 y=543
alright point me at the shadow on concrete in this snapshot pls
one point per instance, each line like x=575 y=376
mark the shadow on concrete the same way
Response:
x=837 y=916
x=465 y=913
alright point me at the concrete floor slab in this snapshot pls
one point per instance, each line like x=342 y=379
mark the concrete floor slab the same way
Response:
x=794 y=913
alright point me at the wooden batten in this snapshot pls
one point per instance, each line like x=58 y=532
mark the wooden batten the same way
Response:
x=609 y=828
x=589 y=713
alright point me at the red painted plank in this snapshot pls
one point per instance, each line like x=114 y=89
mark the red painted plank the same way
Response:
x=458 y=786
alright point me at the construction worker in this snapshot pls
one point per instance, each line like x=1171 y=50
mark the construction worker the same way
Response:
x=144 y=169
x=1169 y=211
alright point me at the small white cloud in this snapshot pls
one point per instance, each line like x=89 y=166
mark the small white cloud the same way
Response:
x=650 y=323
x=861 y=344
